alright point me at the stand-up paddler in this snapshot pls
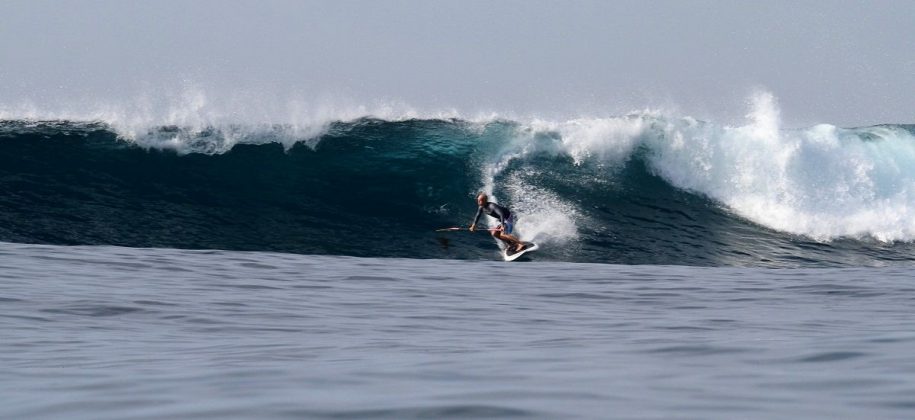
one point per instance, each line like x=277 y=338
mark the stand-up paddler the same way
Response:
x=506 y=222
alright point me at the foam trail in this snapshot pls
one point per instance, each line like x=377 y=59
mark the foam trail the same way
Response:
x=543 y=216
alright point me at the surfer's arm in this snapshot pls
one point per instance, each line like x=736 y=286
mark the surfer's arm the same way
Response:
x=476 y=218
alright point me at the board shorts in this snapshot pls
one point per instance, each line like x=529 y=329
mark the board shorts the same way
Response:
x=509 y=224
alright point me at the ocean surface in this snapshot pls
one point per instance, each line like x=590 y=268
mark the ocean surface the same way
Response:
x=100 y=332
x=236 y=269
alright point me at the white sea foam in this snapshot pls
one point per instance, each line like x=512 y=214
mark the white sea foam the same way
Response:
x=543 y=216
x=824 y=182
x=197 y=121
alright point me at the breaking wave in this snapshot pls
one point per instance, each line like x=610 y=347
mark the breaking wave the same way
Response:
x=642 y=188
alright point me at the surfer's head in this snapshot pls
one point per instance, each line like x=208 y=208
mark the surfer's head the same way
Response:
x=482 y=199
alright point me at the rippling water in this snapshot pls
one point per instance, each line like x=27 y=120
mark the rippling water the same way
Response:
x=107 y=332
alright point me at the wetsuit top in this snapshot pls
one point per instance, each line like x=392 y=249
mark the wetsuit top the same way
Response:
x=494 y=210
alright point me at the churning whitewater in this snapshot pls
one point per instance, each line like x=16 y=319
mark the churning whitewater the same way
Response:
x=643 y=188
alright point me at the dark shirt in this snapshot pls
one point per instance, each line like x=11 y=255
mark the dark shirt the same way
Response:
x=493 y=210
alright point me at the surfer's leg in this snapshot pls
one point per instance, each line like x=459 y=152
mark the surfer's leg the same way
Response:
x=508 y=235
x=511 y=242
x=518 y=244
x=500 y=236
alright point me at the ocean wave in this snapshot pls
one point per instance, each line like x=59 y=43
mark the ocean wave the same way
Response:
x=647 y=187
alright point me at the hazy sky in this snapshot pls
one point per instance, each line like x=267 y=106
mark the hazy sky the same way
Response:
x=847 y=63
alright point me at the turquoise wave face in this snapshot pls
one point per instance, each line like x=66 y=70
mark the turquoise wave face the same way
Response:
x=381 y=188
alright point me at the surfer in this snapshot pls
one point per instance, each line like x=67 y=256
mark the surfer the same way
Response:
x=506 y=222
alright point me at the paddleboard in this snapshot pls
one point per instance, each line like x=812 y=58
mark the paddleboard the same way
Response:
x=528 y=247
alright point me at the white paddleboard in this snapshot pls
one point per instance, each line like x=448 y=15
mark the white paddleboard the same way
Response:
x=528 y=247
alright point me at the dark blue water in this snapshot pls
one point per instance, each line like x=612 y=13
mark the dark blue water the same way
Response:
x=122 y=333
x=634 y=193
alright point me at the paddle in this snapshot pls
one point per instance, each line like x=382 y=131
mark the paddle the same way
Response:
x=456 y=229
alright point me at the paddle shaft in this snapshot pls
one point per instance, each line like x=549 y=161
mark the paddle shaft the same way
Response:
x=457 y=229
